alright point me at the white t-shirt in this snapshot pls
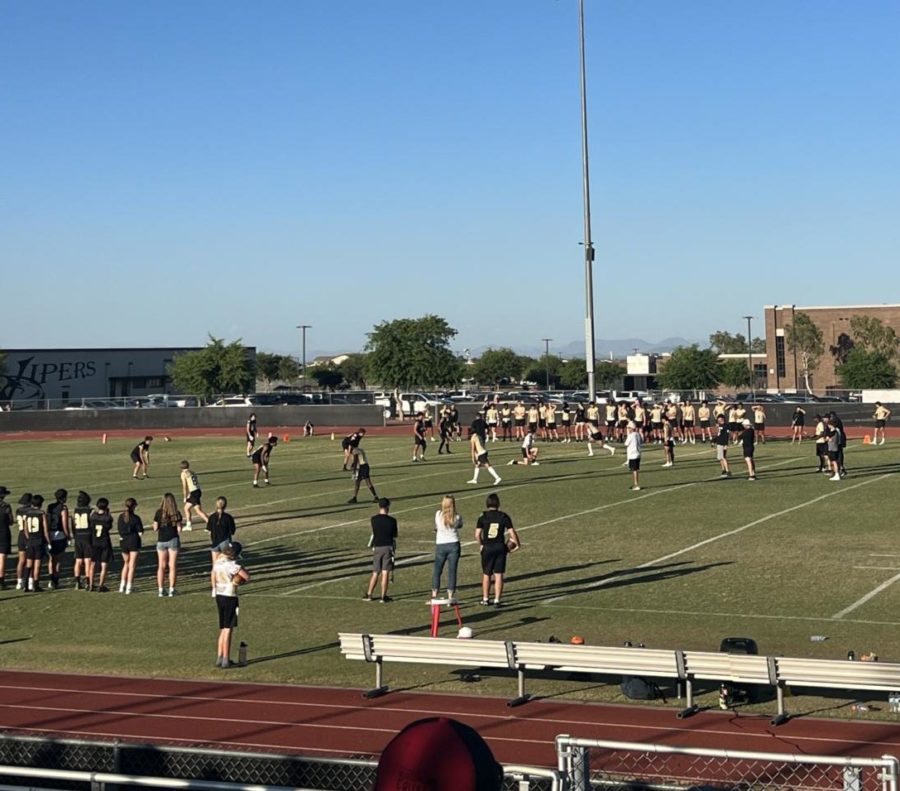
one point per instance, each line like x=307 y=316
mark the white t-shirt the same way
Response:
x=528 y=442
x=633 y=443
x=223 y=572
x=444 y=534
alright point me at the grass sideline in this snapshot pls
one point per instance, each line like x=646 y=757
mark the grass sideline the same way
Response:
x=684 y=562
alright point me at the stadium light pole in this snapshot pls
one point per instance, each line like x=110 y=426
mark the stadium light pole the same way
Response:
x=588 y=243
x=303 y=328
x=750 y=356
x=547 y=361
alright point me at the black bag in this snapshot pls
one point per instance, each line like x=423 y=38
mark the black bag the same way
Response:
x=748 y=647
x=640 y=688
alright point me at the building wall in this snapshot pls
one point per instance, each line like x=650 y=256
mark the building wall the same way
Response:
x=784 y=366
x=37 y=374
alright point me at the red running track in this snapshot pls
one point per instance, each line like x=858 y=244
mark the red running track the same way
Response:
x=332 y=721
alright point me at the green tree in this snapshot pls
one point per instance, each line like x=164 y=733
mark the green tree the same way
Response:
x=873 y=335
x=495 y=365
x=734 y=373
x=607 y=374
x=573 y=374
x=328 y=377
x=725 y=343
x=408 y=352
x=537 y=370
x=267 y=368
x=804 y=338
x=355 y=370
x=870 y=370
x=216 y=368
x=690 y=368
x=288 y=368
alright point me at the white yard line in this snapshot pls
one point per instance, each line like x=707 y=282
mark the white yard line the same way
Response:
x=870 y=595
x=729 y=533
x=877 y=568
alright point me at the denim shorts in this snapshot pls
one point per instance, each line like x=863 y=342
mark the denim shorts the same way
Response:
x=162 y=546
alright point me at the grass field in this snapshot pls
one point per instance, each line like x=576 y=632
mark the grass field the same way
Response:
x=684 y=562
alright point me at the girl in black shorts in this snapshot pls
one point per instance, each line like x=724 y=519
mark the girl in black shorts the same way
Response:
x=130 y=529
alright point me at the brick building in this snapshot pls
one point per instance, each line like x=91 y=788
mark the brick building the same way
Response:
x=834 y=321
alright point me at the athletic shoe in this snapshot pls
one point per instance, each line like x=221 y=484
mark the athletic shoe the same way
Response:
x=472 y=481
x=510 y=462
x=723 y=475
x=497 y=480
x=225 y=664
x=497 y=603
x=19 y=585
x=668 y=464
x=367 y=598
x=751 y=478
x=635 y=488
x=351 y=500
x=172 y=592
x=135 y=477
x=255 y=485
x=122 y=586
x=187 y=527
x=612 y=451
x=161 y=594
x=103 y=589
x=385 y=599
x=127 y=590
x=533 y=464
x=835 y=478
x=484 y=602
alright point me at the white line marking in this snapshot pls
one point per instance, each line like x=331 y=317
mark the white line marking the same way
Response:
x=728 y=534
x=877 y=568
x=870 y=595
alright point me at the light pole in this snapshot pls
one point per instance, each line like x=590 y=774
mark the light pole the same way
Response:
x=588 y=243
x=303 y=328
x=750 y=356
x=547 y=360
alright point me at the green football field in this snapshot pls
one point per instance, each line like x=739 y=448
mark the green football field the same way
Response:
x=688 y=560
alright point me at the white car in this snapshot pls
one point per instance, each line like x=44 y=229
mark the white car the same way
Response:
x=235 y=401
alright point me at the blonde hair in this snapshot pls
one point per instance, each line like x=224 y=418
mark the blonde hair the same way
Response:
x=448 y=510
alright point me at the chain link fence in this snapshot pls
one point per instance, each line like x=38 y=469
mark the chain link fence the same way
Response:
x=210 y=765
x=601 y=764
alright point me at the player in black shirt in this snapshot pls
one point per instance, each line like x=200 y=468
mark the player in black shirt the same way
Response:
x=721 y=443
x=497 y=537
x=101 y=523
x=130 y=529
x=446 y=429
x=221 y=528
x=384 y=545
x=81 y=529
x=60 y=534
x=38 y=537
x=839 y=425
x=251 y=433
x=350 y=442
x=22 y=541
x=140 y=456
x=419 y=443
x=748 y=445
x=260 y=459
x=6 y=523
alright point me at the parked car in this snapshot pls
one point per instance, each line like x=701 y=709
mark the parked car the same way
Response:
x=235 y=401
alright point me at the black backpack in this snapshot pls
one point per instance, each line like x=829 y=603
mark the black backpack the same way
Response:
x=640 y=688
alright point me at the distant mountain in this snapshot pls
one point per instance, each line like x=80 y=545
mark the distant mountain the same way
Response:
x=619 y=348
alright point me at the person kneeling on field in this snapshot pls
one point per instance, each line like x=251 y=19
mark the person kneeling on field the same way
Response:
x=529 y=451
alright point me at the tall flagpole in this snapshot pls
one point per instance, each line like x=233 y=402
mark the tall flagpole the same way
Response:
x=588 y=243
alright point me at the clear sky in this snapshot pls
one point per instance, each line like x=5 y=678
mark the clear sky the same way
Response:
x=170 y=168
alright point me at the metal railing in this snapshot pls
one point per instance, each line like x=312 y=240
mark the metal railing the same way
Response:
x=592 y=763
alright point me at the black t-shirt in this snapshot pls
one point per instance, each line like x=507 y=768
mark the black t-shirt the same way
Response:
x=419 y=428
x=129 y=527
x=6 y=516
x=80 y=525
x=54 y=519
x=34 y=524
x=221 y=528
x=101 y=526
x=384 y=530
x=748 y=439
x=493 y=525
x=141 y=447
x=722 y=436
x=167 y=530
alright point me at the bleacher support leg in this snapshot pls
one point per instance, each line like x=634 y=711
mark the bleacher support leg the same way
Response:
x=691 y=707
x=523 y=697
x=782 y=716
x=380 y=687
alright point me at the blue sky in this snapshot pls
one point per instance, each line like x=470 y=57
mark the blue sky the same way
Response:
x=171 y=169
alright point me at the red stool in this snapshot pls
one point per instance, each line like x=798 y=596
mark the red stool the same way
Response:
x=436 y=613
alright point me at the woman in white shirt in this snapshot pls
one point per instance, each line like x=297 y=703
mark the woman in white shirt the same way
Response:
x=227 y=574
x=447 y=524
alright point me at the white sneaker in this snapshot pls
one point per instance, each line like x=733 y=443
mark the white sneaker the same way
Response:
x=635 y=488
x=535 y=464
x=835 y=478
x=497 y=480
x=19 y=585
x=122 y=586
x=510 y=462
x=667 y=464
x=590 y=453
x=127 y=590
x=612 y=450
x=472 y=481
x=161 y=594
x=172 y=592
x=187 y=527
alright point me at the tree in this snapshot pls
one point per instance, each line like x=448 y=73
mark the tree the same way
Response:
x=267 y=368
x=869 y=370
x=537 y=370
x=872 y=335
x=328 y=377
x=408 y=352
x=288 y=368
x=607 y=374
x=690 y=368
x=734 y=373
x=725 y=343
x=842 y=348
x=804 y=338
x=573 y=374
x=216 y=368
x=355 y=370
x=496 y=365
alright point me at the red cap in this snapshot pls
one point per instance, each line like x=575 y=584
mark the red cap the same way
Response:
x=438 y=754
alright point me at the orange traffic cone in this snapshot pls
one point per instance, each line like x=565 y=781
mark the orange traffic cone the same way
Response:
x=287 y=437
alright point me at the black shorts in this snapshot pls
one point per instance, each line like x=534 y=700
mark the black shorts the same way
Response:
x=83 y=548
x=5 y=543
x=542 y=422
x=428 y=423
x=567 y=422
x=58 y=546
x=130 y=543
x=22 y=542
x=834 y=455
x=419 y=441
x=634 y=464
x=102 y=553
x=798 y=422
x=345 y=444
x=596 y=436
x=193 y=497
x=734 y=426
x=622 y=424
x=251 y=438
x=879 y=423
x=656 y=425
x=610 y=424
x=482 y=458
x=759 y=426
x=748 y=453
x=532 y=427
x=520 y=422
x=362 y=473
x=34 y=550
x=506 y=422
x=688 y=424
x=135 y=456
x=524 y=453
x=493 y=561
x=704 y=424
x=228 y=611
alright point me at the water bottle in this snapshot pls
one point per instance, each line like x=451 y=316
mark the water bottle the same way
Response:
x=818 y=638
x=242 y=654
x=851 y=655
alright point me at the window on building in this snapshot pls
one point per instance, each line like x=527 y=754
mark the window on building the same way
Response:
x=779 y=356
x=760 y=375
x=154 y=382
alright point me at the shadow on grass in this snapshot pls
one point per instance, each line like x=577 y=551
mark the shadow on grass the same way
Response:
x=313 y=649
